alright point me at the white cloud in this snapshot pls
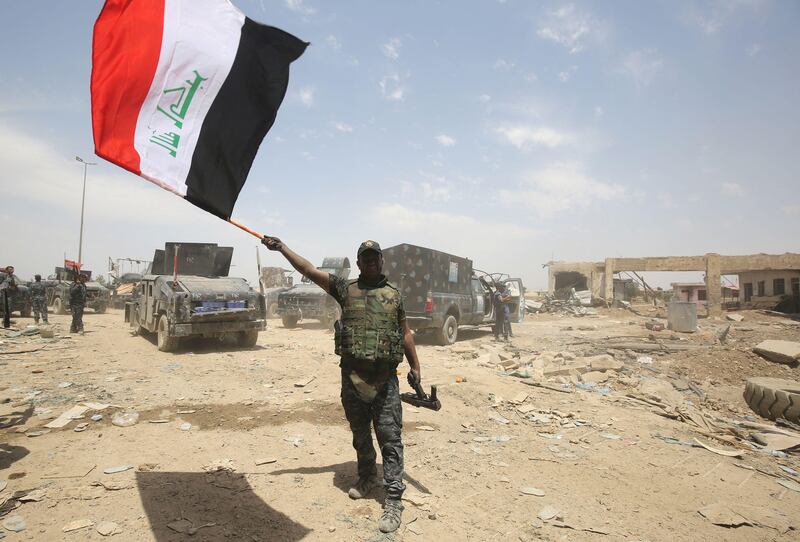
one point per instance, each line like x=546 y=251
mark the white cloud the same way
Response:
x=666 y=200
x=753 y=49
x=792 y=209
x=598 y=112
x=440 y=229
x=300 y=6
x=642 y=66
x=306 y=96
x=526 y=137
x=343 y=127
x=565 y=75
x=485 y=98
x=715 y=14
x=445 y=140
x=568 y=26
x=392 y=48
x=733 y=189
x=559 y=188
x=503 y=64
x=334 y=42
x=392 y=88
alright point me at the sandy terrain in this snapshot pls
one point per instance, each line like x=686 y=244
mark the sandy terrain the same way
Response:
x=594 y=456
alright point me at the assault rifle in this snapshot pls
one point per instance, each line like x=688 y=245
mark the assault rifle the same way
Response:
x=420 y=398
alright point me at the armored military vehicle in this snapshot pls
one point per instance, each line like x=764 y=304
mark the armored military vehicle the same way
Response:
x=307 y=300
x=97 y=295
x=274 y=281
x=20 y=299
x=188 y=293
x=442 y=292
x=123 y=289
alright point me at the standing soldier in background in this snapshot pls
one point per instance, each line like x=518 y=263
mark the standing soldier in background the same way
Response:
x=39 y=299
x=7 y=289
x=502 y=323
x=371 y=339
x=77 y=300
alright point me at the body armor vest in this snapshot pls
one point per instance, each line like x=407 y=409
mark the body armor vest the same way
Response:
x=369 y=328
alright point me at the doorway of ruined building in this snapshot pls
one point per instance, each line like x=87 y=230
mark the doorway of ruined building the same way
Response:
x=567 y=280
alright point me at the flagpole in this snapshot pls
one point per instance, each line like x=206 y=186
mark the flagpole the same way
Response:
x=245 y=228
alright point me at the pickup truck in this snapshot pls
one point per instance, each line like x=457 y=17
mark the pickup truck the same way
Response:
x=442 y=292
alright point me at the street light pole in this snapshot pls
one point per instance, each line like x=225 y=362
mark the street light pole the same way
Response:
x=83 y=203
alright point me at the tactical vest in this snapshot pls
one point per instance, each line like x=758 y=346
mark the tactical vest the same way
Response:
x=369 y=327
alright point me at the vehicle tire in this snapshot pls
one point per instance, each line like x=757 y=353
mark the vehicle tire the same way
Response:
x=248 y=339
x=289 y=320
x=25 y=312
x=58 y=306
x=100 y=309
x=774 y=398
x=272 y=310
x=165 y=342
x=449 y=332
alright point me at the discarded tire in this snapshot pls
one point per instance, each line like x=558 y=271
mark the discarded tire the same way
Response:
x=774 y=398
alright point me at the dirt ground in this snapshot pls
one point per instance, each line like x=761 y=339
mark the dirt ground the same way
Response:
x=268 y=453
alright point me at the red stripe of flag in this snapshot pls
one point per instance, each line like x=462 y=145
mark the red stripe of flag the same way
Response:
x=127 y=45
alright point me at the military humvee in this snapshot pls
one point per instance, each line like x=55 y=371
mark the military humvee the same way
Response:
x=274 y=281
x=58 y=284
x=188 y=293
x=307 y=300
x=20 y=297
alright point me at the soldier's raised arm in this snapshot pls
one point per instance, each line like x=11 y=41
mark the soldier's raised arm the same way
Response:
x=303 y=266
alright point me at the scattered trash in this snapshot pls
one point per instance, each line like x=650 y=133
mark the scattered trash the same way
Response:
x=304 y=383
x=65 y=385
x=265 y=461
x=161 y=420
x=107 y=528
x=784 y=468
x=97 y=417
x=186 y=411
x=36 y=433
x=15 y=523
x=114 y=470
x=603 y=390
x=125 y=419
x=790 y=484
x=549 y=512
x=33 y=496
x=77 y=525
x=426 y=428
x=68 y=416
x=646 y=360
x=727 y=453
x=81 y=427
x=3 y=485
x=185 y=426
x=610 y=436
x=536 y=492
x=296 y=440
x=502 y=438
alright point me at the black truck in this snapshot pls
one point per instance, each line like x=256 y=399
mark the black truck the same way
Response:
x=442 y=292
x=188 y=293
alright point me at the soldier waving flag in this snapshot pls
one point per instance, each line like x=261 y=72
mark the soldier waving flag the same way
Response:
x=184 y=91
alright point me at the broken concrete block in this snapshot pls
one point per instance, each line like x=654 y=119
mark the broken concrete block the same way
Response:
x=603 y=362
x=488 y=360
x=734 y=317
x=597 y=377
x=779 y=351
x=565 y=370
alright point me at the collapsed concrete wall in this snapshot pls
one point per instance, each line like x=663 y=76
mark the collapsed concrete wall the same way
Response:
x=600 y=275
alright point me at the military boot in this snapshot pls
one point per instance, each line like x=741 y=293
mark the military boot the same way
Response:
x=390 y=519
x=362 y=488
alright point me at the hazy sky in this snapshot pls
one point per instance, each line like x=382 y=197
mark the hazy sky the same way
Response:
x=510 y=132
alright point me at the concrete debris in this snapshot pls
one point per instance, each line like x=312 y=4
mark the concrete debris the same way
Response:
x=114 y=470
x=734 y=317
x=107 y=528
x=15 y=523
x=185 y=426
x=71 y=414
x=77 y=525
x=548 y=513
x=779 y=351
x=536 y=492
x=33 y=496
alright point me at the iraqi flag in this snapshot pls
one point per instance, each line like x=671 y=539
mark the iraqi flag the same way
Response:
x=184 y=91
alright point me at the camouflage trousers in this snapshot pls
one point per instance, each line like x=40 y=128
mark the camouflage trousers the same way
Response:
x=385 y=414
x=77 y=318
x=39 y=307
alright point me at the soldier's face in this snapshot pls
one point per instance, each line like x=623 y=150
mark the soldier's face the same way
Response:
x=370 y=263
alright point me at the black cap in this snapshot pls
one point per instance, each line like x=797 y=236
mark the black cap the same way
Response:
x=369 y=245
x=37 y=277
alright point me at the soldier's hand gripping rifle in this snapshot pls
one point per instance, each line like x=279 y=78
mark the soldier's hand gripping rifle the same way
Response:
x=420 y=398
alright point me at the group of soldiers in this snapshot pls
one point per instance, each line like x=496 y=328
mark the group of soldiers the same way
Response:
x=38 y=293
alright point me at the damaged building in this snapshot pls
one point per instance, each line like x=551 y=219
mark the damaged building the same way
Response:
x=766 y=280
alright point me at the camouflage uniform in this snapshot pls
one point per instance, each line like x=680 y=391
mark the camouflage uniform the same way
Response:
x=39 y=301
x=77 y=301
x=7 y=287
x=370 y=390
